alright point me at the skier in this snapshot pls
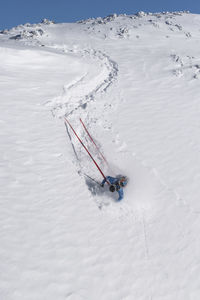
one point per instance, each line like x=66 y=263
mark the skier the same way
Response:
x=116 y=184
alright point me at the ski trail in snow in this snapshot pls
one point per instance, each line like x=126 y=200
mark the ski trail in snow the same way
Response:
x=61 y=104
x=79 y=93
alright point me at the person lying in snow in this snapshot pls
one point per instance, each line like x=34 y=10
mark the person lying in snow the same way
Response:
x=116 y=184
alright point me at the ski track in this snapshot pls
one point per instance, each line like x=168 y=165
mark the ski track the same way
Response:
x=112 y=72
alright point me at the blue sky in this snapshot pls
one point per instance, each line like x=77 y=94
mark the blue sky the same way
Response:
x=15 y=12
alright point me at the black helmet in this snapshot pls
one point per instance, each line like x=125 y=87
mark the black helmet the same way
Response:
x=112 y=188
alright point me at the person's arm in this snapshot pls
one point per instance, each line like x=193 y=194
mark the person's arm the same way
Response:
x=121 y=194
x=103 y=182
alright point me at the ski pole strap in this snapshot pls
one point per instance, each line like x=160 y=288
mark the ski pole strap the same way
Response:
x=86 y=150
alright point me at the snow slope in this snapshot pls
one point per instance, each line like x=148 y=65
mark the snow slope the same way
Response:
x=134 y=81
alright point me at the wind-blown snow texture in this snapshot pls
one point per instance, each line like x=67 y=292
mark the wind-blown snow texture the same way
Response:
x=134 y=81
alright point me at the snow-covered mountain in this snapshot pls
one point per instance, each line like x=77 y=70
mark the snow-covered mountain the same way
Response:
x=134 y=81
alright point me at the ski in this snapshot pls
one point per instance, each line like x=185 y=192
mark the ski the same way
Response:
x=67 y=122
x=92 y=179
x=93 y=141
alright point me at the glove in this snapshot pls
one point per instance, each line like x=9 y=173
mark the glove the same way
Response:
x=102 y=185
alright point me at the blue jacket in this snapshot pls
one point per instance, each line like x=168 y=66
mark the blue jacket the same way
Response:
x=115 y=181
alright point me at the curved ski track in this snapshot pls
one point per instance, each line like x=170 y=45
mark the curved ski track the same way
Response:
x=60 y=108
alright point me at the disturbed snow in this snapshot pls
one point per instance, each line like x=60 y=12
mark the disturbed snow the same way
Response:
x=134 y=81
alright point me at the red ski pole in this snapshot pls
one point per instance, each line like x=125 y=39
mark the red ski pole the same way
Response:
x=93 y=141
x=87 y=150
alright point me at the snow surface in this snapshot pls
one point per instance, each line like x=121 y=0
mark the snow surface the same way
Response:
x=134 y=81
